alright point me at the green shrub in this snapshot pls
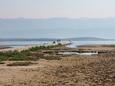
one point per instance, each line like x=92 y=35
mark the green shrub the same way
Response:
x=3 y=58
x=25 y=54
x=40 y=48
x=18 y=57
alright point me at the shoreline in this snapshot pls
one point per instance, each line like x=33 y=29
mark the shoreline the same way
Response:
x=26 y=47
x=50 y=69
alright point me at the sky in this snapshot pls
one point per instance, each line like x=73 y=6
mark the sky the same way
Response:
x=57 y=8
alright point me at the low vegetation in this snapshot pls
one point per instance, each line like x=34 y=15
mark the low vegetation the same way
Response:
x=37 y=48
x=28 y=54
x=74 y=70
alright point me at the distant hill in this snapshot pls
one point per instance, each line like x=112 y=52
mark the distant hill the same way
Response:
x=55 y=39
x=90 y=39
x=29 y=39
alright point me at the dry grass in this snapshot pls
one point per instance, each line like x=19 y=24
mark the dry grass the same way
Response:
x=20 y=64
x=70 y=71
x=98 y=47
x=97 y=70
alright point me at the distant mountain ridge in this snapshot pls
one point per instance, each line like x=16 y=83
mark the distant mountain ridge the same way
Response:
x=90 y=39
x=54 y=39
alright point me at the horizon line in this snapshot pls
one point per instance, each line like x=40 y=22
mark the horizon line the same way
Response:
x=61 y=18
x=58 y=38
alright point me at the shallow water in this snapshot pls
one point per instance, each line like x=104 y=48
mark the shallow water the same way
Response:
x=77 y=43
x=76 y=53
x=73 y=45
x=21 y=43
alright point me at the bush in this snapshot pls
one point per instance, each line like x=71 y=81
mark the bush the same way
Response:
x=59 y=44
x=12 y=55
x=37 y=48
x=3 y=58
x=18 y=57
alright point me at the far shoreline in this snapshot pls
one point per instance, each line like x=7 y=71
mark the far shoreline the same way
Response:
x=4 y=48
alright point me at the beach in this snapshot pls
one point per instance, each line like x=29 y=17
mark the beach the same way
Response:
x=4 y=48
x=57 y=42
x=69 y=70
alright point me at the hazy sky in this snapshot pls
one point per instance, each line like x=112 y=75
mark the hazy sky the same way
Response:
x=56 y=8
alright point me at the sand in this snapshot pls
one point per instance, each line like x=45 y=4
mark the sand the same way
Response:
x=71 y=70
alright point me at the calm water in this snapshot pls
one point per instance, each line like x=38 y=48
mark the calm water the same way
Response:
x=21 y=43
x=77 y=43
x=74 y=43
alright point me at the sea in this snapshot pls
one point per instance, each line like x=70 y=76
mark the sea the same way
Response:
x=79 y=43
x=73 y=44
x=17 y=44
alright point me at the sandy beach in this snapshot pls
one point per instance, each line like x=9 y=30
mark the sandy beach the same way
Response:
x=70 y=70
